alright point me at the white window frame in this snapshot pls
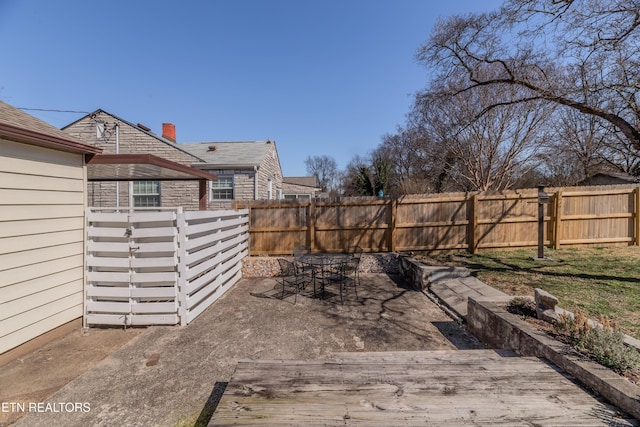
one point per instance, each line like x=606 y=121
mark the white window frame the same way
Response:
x=136 y=196
x=212 y=187
x=292 y=196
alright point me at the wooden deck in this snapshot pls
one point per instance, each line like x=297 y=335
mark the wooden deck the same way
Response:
x=436 y=388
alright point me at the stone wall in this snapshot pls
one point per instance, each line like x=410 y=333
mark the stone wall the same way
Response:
x=269 y=169
x=243 y=187
x=298 y=189
x=244 y=180
x=134 y=140
x=490 y=322
x=267 y=266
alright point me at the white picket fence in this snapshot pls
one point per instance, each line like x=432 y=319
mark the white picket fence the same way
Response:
x=160 y=268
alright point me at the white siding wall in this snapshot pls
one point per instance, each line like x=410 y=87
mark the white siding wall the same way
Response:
x=42 y=201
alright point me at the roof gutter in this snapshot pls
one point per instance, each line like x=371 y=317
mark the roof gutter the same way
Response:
x=14 y=133
x=249 y=166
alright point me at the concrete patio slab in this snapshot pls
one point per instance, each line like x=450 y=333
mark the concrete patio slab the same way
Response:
x=455 y=293
x=172 y=375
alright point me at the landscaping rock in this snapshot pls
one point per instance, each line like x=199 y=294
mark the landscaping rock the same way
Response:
x=549 y=316
x=267 y=266
x=546 y=306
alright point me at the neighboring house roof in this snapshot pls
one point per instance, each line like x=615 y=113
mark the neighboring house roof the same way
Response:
x=229 y=155
x=19 y=126
x=305 y=181
x=619 y=176
x=140 y=128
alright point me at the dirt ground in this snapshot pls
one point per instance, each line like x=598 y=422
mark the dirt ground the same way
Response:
x=174 y=376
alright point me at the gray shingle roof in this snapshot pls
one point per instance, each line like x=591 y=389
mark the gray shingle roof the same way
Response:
x=12 y=116
x=307 y=181
x=618 y=175
x=239 y=153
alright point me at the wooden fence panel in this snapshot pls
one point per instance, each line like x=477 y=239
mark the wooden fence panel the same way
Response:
x=278 y=228
x=605 y=217
x=573 y=216
x=338 y=226
x=508 y=220
x=430 y=223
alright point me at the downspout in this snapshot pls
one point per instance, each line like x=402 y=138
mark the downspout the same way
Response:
x=117 y=182
x=255 y=183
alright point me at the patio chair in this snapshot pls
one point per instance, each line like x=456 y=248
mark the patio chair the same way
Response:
x=307 y=270
x=351 y=267
x=289 y=276
x=339 y=271
x=355 y=251
x=301 y=250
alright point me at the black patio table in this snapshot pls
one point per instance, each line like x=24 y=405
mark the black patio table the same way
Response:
x=324 y=267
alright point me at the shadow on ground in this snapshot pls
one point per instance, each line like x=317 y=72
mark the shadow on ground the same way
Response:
x=251 y=321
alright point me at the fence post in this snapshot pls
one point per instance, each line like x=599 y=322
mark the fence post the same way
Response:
x=311 y=225
x=85 y=278
x=181 y=223
x=557 y=215
x=393 y=211
x=472 y=214
x=249 y=238
x=636 y=213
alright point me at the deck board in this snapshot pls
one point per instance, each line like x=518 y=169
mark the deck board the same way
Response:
x=476 y=387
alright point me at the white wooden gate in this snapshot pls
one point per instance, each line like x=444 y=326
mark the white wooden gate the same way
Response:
x=151 y=268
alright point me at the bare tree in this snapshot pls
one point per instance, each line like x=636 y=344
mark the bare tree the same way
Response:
x=406 y=154
x=366 y=176
x=485 y=151
x=584 y=144
x=325 y=169
x=540 y=46
x=620 y=155
x=355 y=178
x=578 y=145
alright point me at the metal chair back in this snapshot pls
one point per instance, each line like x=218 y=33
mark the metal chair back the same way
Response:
x=301 y=250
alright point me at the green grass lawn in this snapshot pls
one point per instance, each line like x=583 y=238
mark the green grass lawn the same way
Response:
x=600 y=281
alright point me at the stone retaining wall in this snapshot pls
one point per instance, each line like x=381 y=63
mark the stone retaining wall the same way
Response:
x=490 y=322
x=267 y=266
x=421 y=276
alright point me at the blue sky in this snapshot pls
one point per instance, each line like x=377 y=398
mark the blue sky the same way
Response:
x=318 y=77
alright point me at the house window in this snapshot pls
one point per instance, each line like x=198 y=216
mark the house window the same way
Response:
x=222 y=188
x=297 y=196
x=146 y=194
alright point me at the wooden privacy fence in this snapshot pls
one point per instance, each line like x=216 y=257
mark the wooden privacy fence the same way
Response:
x=574 y=216
x=150 y=268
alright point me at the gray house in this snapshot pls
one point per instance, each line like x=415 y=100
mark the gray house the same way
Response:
x=610 y=178
x=300 y=187
x=246 y=170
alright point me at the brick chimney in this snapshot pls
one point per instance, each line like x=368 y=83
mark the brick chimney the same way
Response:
x=169 y=131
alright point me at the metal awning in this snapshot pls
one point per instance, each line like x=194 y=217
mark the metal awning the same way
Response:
x=140 y=167
x=146 y=167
